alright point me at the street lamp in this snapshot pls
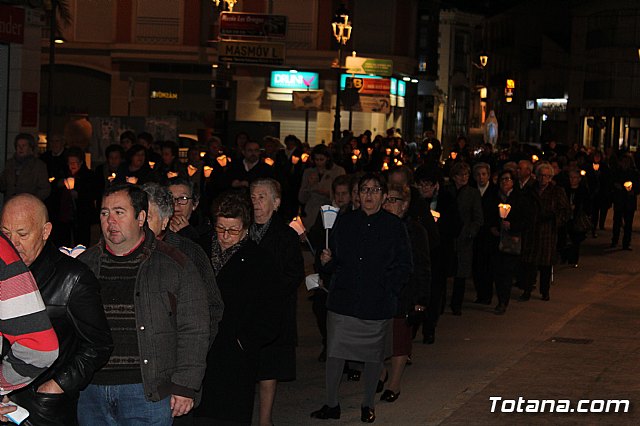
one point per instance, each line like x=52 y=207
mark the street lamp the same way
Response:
x=342 y=33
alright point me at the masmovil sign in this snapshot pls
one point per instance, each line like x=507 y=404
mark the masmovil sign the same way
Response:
x=294 y=80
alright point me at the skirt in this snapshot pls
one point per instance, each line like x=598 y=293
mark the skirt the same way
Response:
x=356 y=339
x=402 y=336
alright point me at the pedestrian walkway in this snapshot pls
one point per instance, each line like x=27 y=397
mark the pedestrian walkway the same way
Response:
x=583 y=344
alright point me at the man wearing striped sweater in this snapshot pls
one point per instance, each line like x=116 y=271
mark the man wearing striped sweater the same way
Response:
x=23 y=323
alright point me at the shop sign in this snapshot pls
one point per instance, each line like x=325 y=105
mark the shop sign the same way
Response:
x=247 y=52
x=308 y=100
x=157 y=94
x=370 y=86
x=343 y=78
x=398 y=87
x=357 y=64
x=252 y=25
x=376 y=103
x=294 y=80
x=11 y=24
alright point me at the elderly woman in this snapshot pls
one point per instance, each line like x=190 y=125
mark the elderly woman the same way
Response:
x=369 y=257
x=554 y=210
x=247 y=279
x=470 y=209
x=519 y=218
x=270 y=232
x=315 y=190
x=158 y=217
x=186 y=220
x=579 y=223
x=414 y=298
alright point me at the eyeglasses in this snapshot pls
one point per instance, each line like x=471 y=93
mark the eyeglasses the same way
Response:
x=371 y=190
x=394 y=200
x=222 y=230
x=182 y=200
x=505 y=179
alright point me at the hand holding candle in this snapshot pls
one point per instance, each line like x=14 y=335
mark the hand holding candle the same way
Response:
x=504 y=210
x=628 y=185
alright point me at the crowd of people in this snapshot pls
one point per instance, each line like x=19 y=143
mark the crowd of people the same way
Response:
x=184 y=304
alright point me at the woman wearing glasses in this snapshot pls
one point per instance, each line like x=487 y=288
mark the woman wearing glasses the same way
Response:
x=247 y=280
x=187 y=221
x=270 y=232
x=369 y=257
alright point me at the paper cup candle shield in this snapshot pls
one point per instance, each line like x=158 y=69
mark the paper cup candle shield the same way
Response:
x=329 y=215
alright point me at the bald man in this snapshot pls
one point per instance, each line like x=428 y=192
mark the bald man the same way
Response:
x=71 y=295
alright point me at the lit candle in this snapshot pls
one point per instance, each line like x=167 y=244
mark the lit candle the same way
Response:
x=596 y=166
x=202 y=154
x=304 y=157
x=385 y=166
x=388 y=151
x=436 y=215
x=207 y=171
x=396 y=151
x=269 y=161
x=222 y=160
x=70 y=183
x=370 y=151
x=112 y=177
x=356 y=152
x=628 y=185
x=132 y=179
x=453 y=155
x=354 y=158
x=429 y=146
x=395 y=161
x=152 y=164
x=171 y=175
x=51 y=179
x=534 y=158
x=399 y=163
x=504 y=210
x=294 y=160
x=191 y=170
x=583 y=173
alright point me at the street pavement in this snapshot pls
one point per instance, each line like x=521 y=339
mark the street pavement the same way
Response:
x=583 y=344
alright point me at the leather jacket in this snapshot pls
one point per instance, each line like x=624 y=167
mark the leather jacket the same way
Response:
x=71 y=294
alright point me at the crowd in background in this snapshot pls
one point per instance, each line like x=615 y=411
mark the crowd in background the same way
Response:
x=414 y=218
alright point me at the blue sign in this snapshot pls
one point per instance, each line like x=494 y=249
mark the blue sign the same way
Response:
x=394 y=86
x=343 y=78
x=402 y=88
x=294 y=80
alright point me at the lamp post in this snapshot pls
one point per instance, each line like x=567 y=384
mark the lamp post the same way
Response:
x=52 y=63
x=342 y=33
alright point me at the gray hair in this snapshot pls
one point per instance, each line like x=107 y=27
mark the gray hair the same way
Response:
x=544 y=166
x=272 y=184
x=161 y=197
x=479 y=166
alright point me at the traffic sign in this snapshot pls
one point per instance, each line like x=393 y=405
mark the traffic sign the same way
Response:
x=360 y=65
x=249 y=52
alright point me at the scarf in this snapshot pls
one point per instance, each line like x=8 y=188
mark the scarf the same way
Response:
x=220 y=257
x=257 y=232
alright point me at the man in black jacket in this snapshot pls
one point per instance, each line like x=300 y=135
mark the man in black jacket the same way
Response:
x=71 y=294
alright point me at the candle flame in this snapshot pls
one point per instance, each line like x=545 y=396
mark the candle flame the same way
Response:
x=152 y=164
x=207 y=171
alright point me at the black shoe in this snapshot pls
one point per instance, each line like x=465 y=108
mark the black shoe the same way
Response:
x=368 y=415
x=524 y=297
x=382 y=382
x=545 y=297
x=429 y=339
x=500 y=309
x=389 y=396
x=327 y=412
x=323 y=355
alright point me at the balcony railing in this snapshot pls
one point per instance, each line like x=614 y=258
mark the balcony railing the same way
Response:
x=157 y=30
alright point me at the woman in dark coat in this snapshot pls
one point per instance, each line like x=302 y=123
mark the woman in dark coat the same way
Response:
x=247 y=280
x=370 y=257
x=136 y=168
x=270 y=232
x=626 y=186
x=579 y=223
x=554 y=212
x=414 y=297
x=520 y=217
x=77 y=199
